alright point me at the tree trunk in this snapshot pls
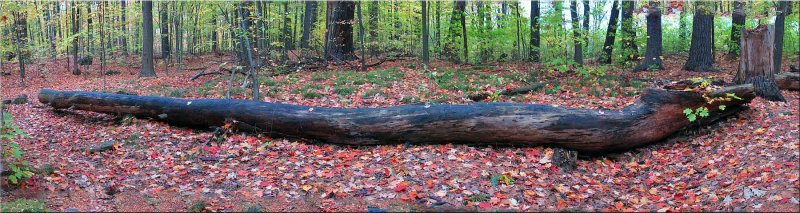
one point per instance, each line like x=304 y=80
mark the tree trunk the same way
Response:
x=756 y=65
x=373 y=27
x=784 y=8
x=682 y=25
x=261 y=42
x=89 y=33
x=339 y=38
x=21 y=37
x=425 y=30
x=454 y=33
x=655 y=116
x=586 y=29
x=178 y=27
x=700 y=58
x=361 y=36
x=286 y=39
x=628 y=34
x=611 y=33
x=438 y=28
x=737 y=24
x=652 y=57
x=461 y=6
x=308 y=23
x=124 y=36
x=245 y=39
x=576 y=33
x=214 y=37
x=75 y=31
x=102 y=43
x=165 y=50
x=535 y=31
x=147 y=69
x=51 y=33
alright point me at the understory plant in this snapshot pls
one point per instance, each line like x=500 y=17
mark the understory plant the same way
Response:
x=19 y=168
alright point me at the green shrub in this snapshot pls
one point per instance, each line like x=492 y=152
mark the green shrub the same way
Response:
x=349 y=77
x=344 y=90
x=384 y=77
x=23 y=205
x=20 y=169
x=321 y=76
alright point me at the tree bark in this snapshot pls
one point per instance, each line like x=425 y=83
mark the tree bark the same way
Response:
x=611 y=33
x=652 y=57
x=756 y=65
x=244 y=25
x=339 y=38
x=737 y=24
x=214 y=38
x=75 y=30
x=124 y=36
x=147 y=69
x=373 y=27
x=21 y=40
x=585 y=29
x=308 y=23
x=51 y=33
x=361 y=36
x=655 y=116
x=165 y=48
x=535 y=31
x=461 y=7
x=700 y=57
x=784 y=8
x=286 y=38
x=628 y=34
x=457 y=20
x=576 y=33
x=178 y=29
x=425 y=30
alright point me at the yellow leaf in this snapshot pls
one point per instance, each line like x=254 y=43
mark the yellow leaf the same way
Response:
x=306 y=187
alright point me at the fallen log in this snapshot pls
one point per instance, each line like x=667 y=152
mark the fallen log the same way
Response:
x=524 y=89
x=220 y=72
x=656 y=115
x=788 y=81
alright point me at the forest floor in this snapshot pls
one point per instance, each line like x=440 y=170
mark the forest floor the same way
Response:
x=748 y=162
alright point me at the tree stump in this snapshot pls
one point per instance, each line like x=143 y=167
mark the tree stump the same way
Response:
x=756 y=65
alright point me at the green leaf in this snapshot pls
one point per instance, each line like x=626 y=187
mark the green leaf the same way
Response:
x=687 y=111
x=13 y=179
x=722 y=107
x=704 y=114
x=691 y=117
x=16 y=152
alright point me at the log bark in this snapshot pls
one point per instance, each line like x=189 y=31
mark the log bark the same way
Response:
x=524 y=89
x=788 y=81
x=655 y=116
